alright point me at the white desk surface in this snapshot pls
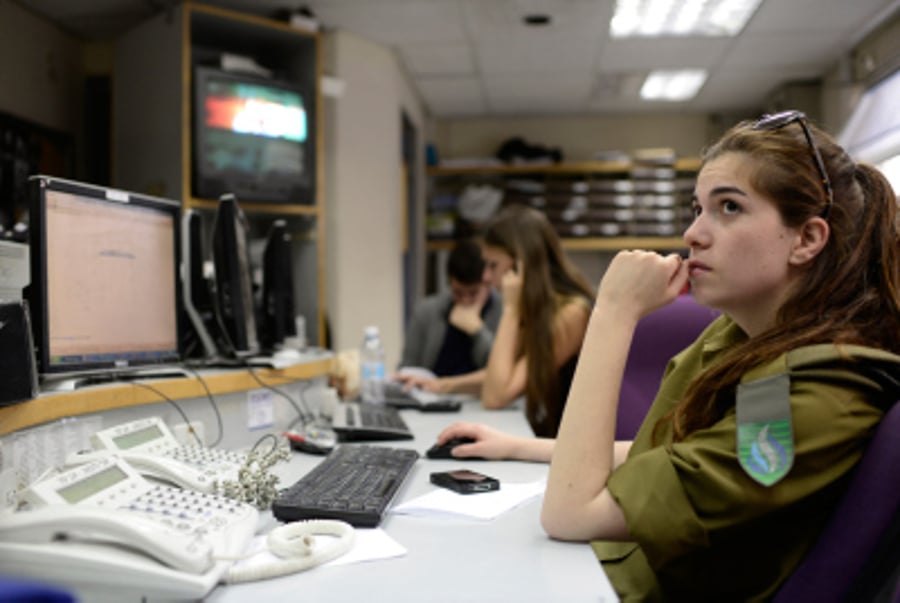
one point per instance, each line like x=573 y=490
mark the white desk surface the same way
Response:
x=507 y=559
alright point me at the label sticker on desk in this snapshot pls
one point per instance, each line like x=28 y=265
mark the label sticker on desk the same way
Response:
x=260 y=409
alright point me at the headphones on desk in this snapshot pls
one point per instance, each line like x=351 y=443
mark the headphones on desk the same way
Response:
x=297 y=547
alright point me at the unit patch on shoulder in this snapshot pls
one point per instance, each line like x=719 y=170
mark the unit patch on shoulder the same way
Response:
x=765 y=437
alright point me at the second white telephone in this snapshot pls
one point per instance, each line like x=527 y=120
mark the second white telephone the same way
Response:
x=103 y=524
x=151 y=448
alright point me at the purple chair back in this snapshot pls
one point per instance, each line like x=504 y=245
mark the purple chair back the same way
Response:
x=659 y=336
x=865 y=513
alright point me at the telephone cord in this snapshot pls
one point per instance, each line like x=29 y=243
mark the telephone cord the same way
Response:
x=298 y=549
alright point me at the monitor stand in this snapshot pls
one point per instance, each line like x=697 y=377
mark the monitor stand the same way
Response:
x=70 y=383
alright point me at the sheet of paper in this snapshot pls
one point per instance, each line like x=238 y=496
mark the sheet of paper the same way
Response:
x=370 y=544
x=483 y=506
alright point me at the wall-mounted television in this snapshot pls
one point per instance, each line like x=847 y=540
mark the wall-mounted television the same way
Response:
x=105 y=287
x=253 y=137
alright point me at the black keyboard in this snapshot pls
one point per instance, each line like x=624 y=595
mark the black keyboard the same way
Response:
x=354 y=483
x=397 y=396
x=356 y=421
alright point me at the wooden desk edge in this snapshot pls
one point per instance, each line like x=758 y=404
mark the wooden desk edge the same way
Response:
x=54 y=406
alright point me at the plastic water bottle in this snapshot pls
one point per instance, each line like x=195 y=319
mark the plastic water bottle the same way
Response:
x=371 y=364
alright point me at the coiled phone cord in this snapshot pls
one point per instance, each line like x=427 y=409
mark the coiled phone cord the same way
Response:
x=296 y=545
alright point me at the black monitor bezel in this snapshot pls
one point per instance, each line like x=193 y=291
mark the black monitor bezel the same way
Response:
x=201 y=330
x=37 y=290
x=230 y=223
x=278 y=304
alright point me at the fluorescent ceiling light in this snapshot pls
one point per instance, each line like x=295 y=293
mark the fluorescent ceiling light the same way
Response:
x=673 y=85
x=655 y=18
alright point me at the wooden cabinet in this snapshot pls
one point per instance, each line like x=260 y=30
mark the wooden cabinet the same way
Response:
x=603 y=206
x=152 y=121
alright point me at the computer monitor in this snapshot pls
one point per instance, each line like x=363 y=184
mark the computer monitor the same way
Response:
x=233 y=287
x=277 y=305
x=104 y=291
x=198 y=337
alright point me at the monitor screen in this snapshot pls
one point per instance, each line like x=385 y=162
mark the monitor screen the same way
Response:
x=104 y=290
x=251 y=138
x=233 y=285
x=198 y=336
x=277 y=304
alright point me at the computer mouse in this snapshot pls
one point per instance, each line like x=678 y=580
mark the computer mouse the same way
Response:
x=443 y=451
x=312 y=439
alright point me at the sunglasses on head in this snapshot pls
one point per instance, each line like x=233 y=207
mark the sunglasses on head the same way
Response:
x=777 y=121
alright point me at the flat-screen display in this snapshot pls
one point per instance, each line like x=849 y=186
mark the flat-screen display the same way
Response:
x=277 y=308
x=252 y=138
x=233 y=285
x=201 y=328
x=105 y=287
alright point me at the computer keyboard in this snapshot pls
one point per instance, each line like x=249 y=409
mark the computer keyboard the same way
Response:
x=355 y=421
x=354 y=483
x=397 y=396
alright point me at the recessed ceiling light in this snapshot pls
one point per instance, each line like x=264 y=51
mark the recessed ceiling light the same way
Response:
x=673 y=85
x=655 y=18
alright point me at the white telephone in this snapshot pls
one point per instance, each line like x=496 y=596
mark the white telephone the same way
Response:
x=149 y=446
x=102 y=525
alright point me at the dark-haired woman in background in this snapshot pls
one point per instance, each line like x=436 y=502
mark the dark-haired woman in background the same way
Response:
x=546 y=305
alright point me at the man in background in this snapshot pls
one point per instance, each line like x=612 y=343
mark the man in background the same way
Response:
x=451 y=332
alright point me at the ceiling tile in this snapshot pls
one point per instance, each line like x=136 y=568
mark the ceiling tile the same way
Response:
x=452 y=96
x=768 y=50
x=437 y=59
x=536 y=52
x=670 y=53
x=546 y=93
x=396 y=22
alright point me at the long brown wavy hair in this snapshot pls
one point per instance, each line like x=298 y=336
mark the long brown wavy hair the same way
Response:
x=550 y=280
x=850 y=292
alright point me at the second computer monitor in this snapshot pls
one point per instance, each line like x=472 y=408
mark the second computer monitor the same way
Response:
x=233 y=286
x=277 y=306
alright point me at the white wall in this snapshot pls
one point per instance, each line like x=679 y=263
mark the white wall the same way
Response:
x=41 y=70
x=364 y=191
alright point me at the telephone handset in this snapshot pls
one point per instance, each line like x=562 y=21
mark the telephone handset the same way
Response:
x=74 y=523
x=102 y=525
x=151 y=448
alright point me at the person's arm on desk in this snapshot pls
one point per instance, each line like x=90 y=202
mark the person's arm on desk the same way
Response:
x=496 y=445
x=469 y=383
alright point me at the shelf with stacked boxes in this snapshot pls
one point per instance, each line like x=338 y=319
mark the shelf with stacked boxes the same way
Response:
x=592 y=205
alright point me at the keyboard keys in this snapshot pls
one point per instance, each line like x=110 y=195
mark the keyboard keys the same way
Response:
x=368 y=422
x=353 y=484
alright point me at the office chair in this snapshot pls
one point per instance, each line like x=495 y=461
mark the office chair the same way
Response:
x=658 y=336
x=856 y=555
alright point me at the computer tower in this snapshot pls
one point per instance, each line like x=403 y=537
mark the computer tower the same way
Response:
x=18 y=370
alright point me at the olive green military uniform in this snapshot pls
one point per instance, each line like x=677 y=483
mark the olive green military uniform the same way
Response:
x=703 y=529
